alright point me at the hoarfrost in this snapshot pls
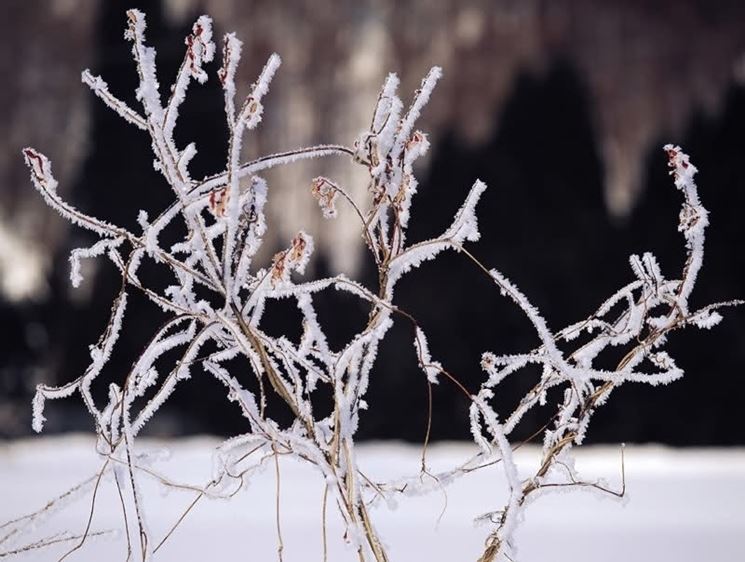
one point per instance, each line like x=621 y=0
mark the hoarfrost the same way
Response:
x=223 y=217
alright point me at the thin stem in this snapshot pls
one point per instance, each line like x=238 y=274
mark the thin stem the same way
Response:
x=323 y=522
x=278 y=489
x=90 y=514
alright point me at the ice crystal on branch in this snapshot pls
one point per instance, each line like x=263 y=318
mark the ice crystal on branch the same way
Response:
x=216 y=298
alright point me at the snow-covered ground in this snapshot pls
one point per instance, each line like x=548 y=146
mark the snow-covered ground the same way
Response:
x=681 y=505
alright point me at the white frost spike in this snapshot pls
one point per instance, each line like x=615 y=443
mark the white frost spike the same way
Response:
x=143 y=219
x=99 y=356
x=464 y=227
x=653 y=267
x=252 y=204
x=180 y=372
x=44 y=182
x=253 y=109
x=693 y=219
x=147 y=92
x=186 y=156
x=41 y=170
x=99 y=248
x=42 y=393
x=201 y=48
x=475 y=424
x=707 y=320
x=425 y=91
x=385 y=109
x=312 y=332
x=373 y=146
x=144 y=373
x=37 y=412
x=101 y=89
x=531 y=312
x=204 y=188
x=231 y=56
x=136 y=26
x=262 y=84
x=416 y=147
x=431 y=368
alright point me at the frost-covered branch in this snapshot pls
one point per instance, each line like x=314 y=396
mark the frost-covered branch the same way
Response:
x=217 y=294
x=637 y=319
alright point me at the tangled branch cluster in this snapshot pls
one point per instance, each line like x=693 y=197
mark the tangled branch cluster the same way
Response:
x=218 y=294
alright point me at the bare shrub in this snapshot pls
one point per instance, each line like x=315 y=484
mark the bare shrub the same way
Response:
x=218 y=294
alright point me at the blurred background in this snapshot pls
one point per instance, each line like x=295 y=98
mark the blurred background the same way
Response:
x=560 y=106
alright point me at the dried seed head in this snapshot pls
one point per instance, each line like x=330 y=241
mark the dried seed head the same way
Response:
x=295 y=258
x=219 y=201
x=279 y=267
x=251 y=112
x=326 y=192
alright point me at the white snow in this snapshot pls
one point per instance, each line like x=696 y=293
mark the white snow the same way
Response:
x=681 y=505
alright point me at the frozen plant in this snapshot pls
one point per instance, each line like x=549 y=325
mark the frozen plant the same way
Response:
x=637 y=319
x=218 y=294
